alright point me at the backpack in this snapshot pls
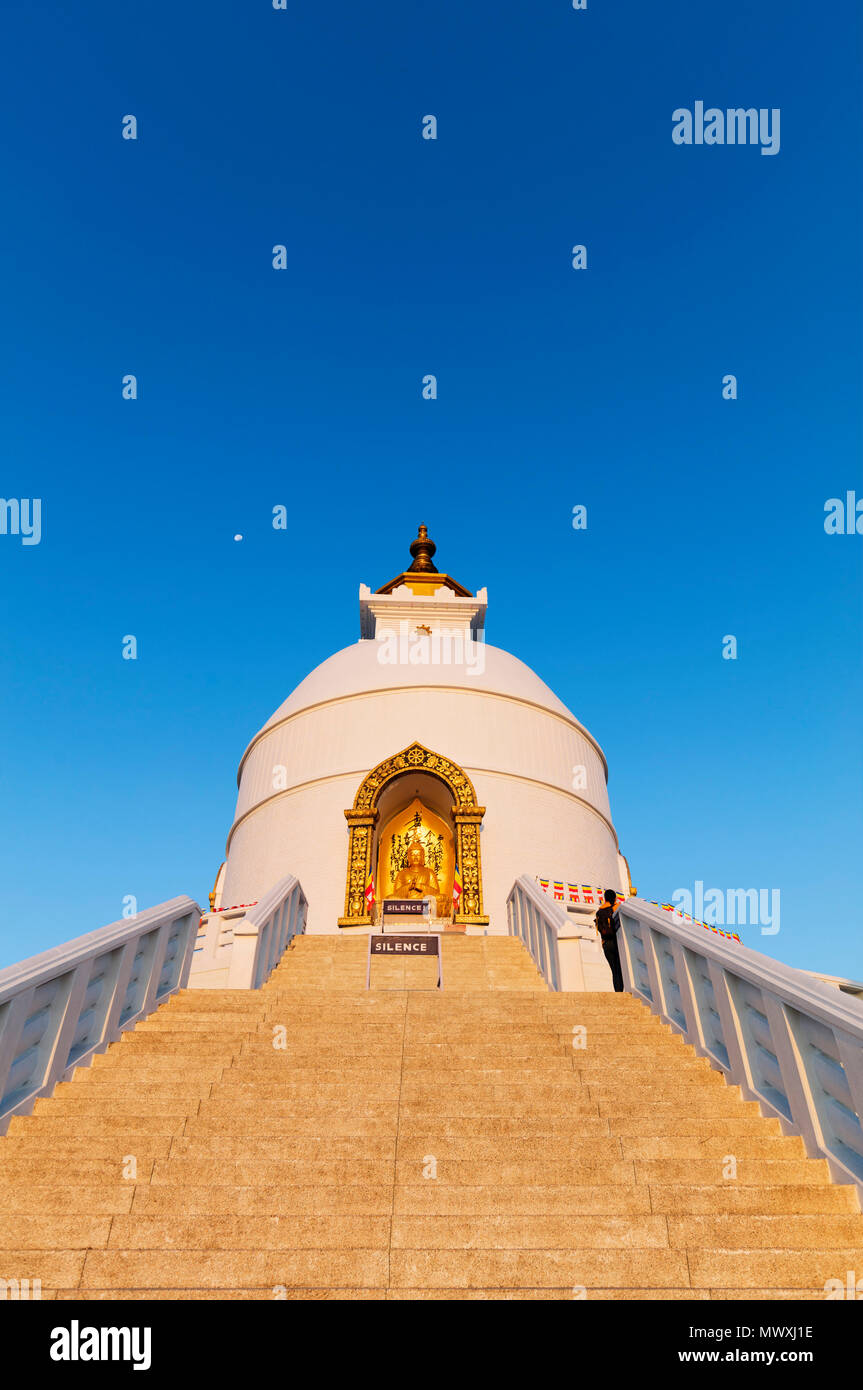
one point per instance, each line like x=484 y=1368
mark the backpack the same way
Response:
x=606 y=924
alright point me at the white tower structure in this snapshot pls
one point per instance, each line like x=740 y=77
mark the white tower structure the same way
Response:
x=420 y=732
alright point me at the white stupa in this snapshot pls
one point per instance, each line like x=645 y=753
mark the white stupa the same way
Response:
x=419 y=732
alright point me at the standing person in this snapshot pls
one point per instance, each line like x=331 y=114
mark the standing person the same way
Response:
x=608 y=925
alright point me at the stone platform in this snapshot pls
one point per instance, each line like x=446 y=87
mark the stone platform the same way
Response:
x=317 y=1140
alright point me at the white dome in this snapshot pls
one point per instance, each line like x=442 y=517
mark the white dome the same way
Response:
x=358 y=670
x=540 y=774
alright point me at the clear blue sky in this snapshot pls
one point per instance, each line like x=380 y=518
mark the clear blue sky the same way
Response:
x=556 y=387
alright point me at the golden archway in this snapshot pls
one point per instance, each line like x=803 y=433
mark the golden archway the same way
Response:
x=363 y=815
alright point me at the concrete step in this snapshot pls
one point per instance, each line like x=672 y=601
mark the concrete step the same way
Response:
x=49 y=1231
x=693 y=1104
x=43 y=1199
x=256 y=1149
x=755 y=1145
x=266 y=1074
x=543 y=1127
x=618 y=1198
x=127 y=1130
x=442 y=1106
x=779 y=1268
x=459 y=1268
x=652 y=1124
x=288 y=1088
x=132 y=1105
x=62 y=1147
x=664 y=1069
x=298 y=1231
x=299 y=1120
x=556 y=1199
x=107 y=1086
x=470 y=1172
x=293 y=1191
x=41 y=1169
x=117 y=1058
x=759 y=1199
x=750 y=1171
x=557 y=1071
x=221 y=1270
x=269 y=1110
x=537 y=1231
x=562 y=1091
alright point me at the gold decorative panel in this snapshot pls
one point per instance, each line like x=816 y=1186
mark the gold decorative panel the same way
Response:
x=362 y=819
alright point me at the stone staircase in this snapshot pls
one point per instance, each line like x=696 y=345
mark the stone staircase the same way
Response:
x=406 y=1143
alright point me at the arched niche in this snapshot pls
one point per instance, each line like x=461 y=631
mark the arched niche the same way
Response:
x=391 y=784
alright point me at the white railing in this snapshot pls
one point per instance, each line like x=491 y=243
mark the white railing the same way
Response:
x=789 y=1041
x=532 y=916
x=261 y=937
x=59 y=1008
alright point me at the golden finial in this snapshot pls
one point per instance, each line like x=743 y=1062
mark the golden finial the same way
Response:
x=422 y=550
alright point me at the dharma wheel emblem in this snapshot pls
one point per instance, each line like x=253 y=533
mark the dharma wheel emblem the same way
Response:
x=415 y=756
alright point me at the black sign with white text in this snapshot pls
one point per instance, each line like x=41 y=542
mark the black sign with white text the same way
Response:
x=405 y=945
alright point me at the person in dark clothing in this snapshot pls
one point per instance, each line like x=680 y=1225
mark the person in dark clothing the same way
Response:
x=608 y=925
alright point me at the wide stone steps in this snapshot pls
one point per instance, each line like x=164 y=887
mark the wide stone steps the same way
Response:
x=318 y=1140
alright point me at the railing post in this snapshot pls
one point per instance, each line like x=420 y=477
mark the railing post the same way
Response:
x=688 y=997
x=801 y=1102
x=66 y=1031
x=732 y=1033
x=121 y=985
x=553 y=946
x=654 y=974
x=851 y=1057
x=16 y=1015
x=192 y=920
x=284 y=921
x=157 y=960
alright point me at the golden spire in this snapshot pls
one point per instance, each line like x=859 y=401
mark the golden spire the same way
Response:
x=422 y=550
x=424 y=577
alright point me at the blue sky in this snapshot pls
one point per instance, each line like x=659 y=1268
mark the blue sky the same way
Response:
x=556 y=388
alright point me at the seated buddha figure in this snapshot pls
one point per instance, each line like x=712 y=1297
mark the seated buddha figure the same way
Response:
x=415 y=880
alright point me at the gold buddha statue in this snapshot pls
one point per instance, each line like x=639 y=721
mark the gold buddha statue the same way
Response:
x=415 y=880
